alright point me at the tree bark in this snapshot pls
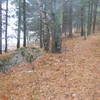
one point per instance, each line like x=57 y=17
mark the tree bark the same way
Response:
x=19 y=25
x=90 y=16
x=82 y=22
x=56 y=30
x=0 y=26
x=46 y=38
x=41 y=23
x=41 y=32
x=24 y=22
x=95 y=14
x=70 y=19
x=65 y=18
x=6 y=32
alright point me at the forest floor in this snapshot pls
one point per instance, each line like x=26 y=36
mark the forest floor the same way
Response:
x=72 y=75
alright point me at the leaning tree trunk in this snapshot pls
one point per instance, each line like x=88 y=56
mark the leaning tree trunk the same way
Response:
x=24 y=22
x=0 y=26
x=6 y=32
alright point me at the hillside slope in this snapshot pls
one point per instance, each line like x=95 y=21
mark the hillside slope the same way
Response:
x=72 y=75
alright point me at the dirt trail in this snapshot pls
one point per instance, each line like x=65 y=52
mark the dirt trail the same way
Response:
x=72 y=75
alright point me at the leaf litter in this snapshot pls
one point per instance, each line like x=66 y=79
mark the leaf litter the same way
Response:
x=72 y=75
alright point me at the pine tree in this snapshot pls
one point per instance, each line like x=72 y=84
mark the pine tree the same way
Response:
x=90 y=16
x=95 y=14
x=6 y=32
x=19 y=24
x=56 y=28
x=0 y=26
x=24 y=22
x=70 y=18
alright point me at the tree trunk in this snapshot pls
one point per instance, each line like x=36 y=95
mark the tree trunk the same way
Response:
x=95 y=14
x=65 y=18
x=46 y=39
x=41 y=32
x=82 y=22
x=19 y=25
x=70 y=19
x=24 y=22
x=90 y=16
x=41 y=24
x=56 y=30
x=6 y=32
x=0 y=27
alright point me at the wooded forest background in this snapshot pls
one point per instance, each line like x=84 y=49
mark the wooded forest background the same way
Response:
x=49 y=49
x=48 y=22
